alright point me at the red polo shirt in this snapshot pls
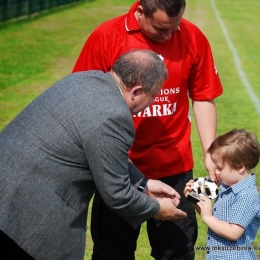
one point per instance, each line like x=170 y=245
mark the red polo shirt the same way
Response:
x=162 y=144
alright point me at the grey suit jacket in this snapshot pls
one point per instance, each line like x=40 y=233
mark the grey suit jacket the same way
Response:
x=72 y=139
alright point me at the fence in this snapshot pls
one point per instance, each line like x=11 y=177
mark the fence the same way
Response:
x=10 y=9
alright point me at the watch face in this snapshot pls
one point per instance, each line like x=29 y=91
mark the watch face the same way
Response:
x=205 y=186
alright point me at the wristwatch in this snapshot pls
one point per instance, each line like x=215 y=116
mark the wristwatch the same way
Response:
x=142 y=185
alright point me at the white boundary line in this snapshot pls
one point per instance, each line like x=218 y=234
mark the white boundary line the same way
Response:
x=238 y=64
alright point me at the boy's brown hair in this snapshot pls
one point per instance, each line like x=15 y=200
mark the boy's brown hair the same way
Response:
x=236 y=148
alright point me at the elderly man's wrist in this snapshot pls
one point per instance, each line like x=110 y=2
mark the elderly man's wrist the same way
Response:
x=142 y=185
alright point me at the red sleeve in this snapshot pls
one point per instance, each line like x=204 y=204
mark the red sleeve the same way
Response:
x=204 y=82
x=93 y=55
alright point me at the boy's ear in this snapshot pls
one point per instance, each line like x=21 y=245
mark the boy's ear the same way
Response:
x=241 y=169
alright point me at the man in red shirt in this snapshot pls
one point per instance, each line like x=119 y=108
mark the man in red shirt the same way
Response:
x=162 y=148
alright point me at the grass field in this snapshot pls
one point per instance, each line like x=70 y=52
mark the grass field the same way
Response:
x=38 y=52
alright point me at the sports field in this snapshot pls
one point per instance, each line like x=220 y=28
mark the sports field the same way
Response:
x=36 y=53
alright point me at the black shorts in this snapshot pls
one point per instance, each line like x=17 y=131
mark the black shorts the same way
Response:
x=115 y=239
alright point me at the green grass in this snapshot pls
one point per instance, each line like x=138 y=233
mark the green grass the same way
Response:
x=38 y=52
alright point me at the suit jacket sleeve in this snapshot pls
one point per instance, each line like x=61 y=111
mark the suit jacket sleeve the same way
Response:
x=134 y=173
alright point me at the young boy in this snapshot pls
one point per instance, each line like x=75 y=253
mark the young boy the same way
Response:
x=234 y=219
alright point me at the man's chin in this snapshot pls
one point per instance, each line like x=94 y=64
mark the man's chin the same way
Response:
x=159 y=40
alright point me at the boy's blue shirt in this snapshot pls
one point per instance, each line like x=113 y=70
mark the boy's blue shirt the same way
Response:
x=238 y=204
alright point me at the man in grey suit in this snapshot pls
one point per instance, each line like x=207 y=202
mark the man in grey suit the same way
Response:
x=74 y=138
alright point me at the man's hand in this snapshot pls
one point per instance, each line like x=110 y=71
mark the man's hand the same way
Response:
x=158 y=190
x=211 y=168
x=168 y=199
x=168 y=210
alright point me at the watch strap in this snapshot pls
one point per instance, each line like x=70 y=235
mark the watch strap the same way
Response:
x=142 y=185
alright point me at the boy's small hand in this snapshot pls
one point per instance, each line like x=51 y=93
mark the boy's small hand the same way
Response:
x=205 y=206
x=188 y=188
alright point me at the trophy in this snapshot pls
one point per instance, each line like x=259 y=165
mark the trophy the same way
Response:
x=202 y=186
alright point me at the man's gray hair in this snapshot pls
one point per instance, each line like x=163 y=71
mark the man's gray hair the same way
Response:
x=171 y=7
x=141 y=67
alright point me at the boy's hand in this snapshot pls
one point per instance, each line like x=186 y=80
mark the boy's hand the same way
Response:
x=188 y=188
x=205 y=206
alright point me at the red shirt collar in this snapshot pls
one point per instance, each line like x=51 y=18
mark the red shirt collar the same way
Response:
x=131 y=23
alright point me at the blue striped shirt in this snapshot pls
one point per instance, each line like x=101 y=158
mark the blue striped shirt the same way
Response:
x=238 y=204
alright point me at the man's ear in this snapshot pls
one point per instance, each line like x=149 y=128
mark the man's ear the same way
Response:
x=136 y=91
x=139 y=11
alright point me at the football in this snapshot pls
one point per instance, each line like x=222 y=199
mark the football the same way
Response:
x=205 y=186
